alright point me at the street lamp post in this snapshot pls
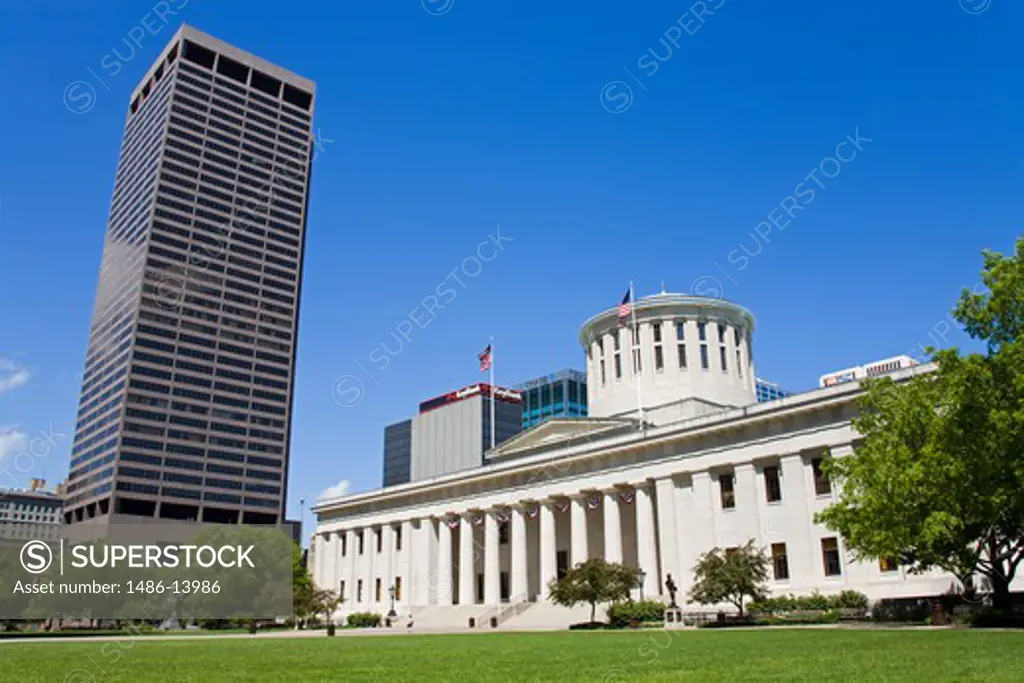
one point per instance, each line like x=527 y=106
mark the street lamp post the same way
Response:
x=392 y=592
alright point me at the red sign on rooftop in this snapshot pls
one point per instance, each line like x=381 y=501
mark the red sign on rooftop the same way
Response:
x=481 y=389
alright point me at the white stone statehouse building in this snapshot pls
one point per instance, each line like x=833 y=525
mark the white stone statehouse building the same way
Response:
x=701 y=465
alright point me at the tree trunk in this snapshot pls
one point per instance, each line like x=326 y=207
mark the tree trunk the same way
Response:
x=593 y=610
x=1001 y=599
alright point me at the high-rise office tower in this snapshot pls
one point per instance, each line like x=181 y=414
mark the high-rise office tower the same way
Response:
x=186 y=400
x=561 y=394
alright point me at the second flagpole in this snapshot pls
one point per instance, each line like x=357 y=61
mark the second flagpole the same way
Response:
x=494 y=427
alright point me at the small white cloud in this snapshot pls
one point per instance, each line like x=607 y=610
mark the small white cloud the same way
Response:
x=336 y=491
x=10 y=441
x=12 y=375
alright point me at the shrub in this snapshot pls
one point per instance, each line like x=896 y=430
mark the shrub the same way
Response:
x=850 y=600
x=905 y=610
x=813 y=602
x=623 y=613
x=998 y=619
x=363 y=620
x=587 y=626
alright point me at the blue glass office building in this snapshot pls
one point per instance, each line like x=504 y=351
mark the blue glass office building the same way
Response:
x=561 y=394
x=769 y=391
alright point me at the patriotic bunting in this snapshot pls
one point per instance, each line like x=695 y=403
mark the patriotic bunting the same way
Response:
x=532 y=512
x=627 y=497
x=562 y=505
x=593 y=502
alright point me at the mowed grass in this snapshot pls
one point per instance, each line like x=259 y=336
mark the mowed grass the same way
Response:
x=778 y=655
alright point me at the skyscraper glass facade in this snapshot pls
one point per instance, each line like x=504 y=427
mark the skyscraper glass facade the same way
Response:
x=769 y=391
x=561 y=394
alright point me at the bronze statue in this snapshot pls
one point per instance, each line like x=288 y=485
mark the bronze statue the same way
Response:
x=670 y=586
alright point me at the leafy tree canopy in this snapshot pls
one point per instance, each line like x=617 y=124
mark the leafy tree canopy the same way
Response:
x=730 y=575
x=938 y=478
x=592 y=582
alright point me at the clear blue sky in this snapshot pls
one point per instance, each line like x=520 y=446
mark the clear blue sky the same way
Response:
x=443 y=126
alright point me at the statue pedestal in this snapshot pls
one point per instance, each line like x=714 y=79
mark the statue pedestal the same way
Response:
x=673 y=618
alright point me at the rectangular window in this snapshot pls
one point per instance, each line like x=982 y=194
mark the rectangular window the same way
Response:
x=681 y=350
x=618 y=366
x=704 y=364
x=344 y=538
x=721 y=358
x=602 y=372
x=887 y=565
x=822 y=486
x=362 y=544
x=380 y=540
x=359 y=590
x=377 y=590
x=636 y=362
x=772 y=485
x=739 y=365
x=721 y=333
x=702 y=331
x=618 y=342
x=503 y=533
x=659 y=360
x=657 y=332
x=727 y=491
x=680 y=330
x=780 y=563
x=830 y=557
x=398 y=538
x=398 y=588
x=341 y=590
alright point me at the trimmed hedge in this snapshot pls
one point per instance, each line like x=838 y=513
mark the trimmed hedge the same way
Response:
x=363 y=620
x=998 y=619
x=624 y=613
x=829 y=617
x=814 y=601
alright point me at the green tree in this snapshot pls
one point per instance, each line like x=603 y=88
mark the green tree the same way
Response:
x=302 y=585
x=592 y=582
x=730 y=575
x=938 y=479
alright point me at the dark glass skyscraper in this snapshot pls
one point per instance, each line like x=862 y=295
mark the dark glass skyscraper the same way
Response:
x=186 y=400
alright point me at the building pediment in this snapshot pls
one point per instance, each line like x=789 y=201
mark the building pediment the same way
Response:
x=558 y=432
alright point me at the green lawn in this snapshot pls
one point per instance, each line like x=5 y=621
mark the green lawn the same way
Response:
x=778 y=655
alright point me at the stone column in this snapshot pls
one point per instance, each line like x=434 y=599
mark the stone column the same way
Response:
x=518 y=565
x=467 y=572
x=667 y=533
x=646 y=543
x=370 y=568
x=492 y=578
x=336 y=559
x=408 y=582
x=387 y=569
x=320 y=561
x=444 y=576
x=612 y=527
x=578 y=549
x=548 y=548
x=351 y=553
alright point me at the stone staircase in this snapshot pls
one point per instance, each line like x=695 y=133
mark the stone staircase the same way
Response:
x=502 y=613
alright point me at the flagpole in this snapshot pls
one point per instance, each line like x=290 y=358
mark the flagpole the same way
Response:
x=493 y=426
x=637 y=367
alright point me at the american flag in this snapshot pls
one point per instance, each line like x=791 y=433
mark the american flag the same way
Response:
x=485 y=359
x=625 y=308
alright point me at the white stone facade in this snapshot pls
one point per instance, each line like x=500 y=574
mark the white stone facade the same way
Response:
x=654 y=497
